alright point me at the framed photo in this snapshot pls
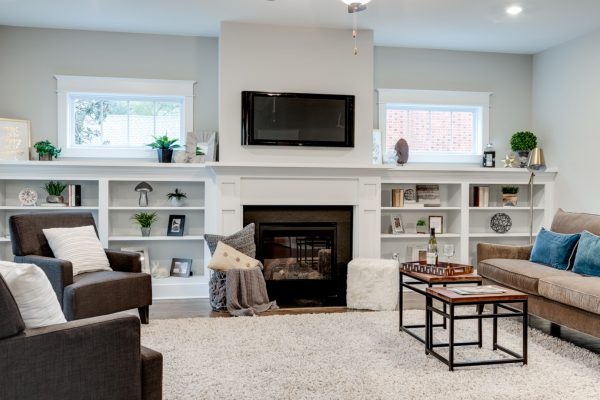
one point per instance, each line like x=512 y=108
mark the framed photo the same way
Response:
x=201 y=147
x=377 y=147
x=397 y=225
x=144 y=257
x=436 y=222
x=181 y=267
x=176 y=225
x=15 y=139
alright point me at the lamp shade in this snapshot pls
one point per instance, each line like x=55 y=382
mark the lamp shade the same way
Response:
x=536 y=161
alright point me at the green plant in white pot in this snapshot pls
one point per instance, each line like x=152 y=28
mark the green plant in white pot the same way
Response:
x=145 y=221
x=421 y=226
x=176 y=197
x=55 y=189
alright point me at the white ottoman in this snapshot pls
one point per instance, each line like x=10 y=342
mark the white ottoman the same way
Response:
x=372 y=284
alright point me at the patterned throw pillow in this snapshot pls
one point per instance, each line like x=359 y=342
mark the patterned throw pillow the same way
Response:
x=226 y=257
x=242 y=241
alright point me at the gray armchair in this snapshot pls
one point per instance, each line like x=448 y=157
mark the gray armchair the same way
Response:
x=85 y=295
x=97 y=358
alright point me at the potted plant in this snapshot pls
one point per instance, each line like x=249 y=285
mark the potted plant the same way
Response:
x=55 y=189
x=421 y=226
x=523 y=143
x=509 y=196
x=145 y=221
x=46 y=150
x=164 y=147
x=176 y=197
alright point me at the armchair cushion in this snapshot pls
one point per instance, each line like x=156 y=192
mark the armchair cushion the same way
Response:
x=59 y=272
x=11 y=321
x=80 y=246
x=33 y=294
x=125 y=261
x=106 y=292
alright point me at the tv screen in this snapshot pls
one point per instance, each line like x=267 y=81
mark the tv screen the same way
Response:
x=297 y=119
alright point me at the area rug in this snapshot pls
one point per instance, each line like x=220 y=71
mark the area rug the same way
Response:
x=356 y=355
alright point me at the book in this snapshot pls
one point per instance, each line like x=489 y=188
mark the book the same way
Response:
x=74 y=196
x=428 y=195
x=481 y=196
x=477 y=290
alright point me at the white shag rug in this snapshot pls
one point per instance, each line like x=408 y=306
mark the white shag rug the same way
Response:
x=356 y=355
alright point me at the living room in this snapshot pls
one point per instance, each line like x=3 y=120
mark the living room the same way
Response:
x=322 y=226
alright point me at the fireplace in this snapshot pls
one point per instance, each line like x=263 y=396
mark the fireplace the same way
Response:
x=305 y=251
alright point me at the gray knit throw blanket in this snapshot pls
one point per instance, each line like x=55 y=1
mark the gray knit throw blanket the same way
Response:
x=246 y=292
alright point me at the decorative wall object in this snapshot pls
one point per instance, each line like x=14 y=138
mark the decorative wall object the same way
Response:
x=437 y=223
x=397 y=225
x=15 y=139
x=181 y=267
x=401 y=148
x=28 y=197
x=176 y=225
x=201 y=147
x=377 y=147
x=501 y=223
x=144 y=257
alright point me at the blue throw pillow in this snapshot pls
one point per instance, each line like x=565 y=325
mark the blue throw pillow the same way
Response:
x=554 y=249
x=587 y=259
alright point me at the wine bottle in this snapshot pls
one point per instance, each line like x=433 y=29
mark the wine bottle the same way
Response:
x=432 y=250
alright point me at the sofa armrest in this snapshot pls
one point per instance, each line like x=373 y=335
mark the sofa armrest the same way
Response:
x=124 y=261
x=59 y=272
x=486 y=251
x=152 y=372
x=95 y=356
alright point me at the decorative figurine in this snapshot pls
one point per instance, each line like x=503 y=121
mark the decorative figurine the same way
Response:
x=401 y=148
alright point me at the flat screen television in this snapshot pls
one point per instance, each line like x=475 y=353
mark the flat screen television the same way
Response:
x=297 y=119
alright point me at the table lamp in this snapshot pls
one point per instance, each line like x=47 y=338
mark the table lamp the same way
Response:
x=535 y=163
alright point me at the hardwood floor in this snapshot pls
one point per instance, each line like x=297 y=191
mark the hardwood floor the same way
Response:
x=200 y=308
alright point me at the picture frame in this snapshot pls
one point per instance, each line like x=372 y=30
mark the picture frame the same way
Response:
x=377 y=147
x=436 y=222
x=397 y=225
x=176 y=225
x=144 y=257
x=15 y=139
x=181 y=267
x=201 y=147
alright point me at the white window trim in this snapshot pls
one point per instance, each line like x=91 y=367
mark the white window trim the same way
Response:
x=66 y=84
x=442 y=98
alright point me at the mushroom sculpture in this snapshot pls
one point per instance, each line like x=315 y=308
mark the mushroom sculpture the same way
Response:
x=143 y=188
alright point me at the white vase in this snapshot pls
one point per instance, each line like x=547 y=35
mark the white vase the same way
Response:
x=175 y=202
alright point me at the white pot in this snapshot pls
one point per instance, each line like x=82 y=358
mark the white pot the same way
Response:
x=175 y=202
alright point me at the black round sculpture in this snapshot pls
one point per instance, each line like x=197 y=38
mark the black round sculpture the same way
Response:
x=501 y=223
x=401 y=148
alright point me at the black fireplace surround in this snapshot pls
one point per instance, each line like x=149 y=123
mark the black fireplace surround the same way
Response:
x=305 y=251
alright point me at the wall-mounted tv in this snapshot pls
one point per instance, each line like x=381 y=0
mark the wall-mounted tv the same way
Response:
x=297 y=119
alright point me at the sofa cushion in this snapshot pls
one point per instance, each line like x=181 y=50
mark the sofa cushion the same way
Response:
x=242 y=240
x=11 y=321
x=574 y=290
x=226 y=257
x=522 y=275
x=554 y=249
x=568 y=222
x=586 y=259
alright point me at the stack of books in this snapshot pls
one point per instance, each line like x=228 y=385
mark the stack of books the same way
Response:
x=481 y=196
x=74 y=195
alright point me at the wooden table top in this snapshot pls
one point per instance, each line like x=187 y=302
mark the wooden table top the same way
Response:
x=449 y=296
x=442 y=279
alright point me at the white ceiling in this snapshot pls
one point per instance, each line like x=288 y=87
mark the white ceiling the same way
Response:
x=479 y=25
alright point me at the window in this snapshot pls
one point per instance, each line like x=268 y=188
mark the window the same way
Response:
x=117 y=117
x=439 y=126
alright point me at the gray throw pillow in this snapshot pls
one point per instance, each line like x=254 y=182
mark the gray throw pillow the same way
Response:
x=242 y=241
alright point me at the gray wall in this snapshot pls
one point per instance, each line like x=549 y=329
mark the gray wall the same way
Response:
x=508 y=76
x=29 y=59
x=566 y=98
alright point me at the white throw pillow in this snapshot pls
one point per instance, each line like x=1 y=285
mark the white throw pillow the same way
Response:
x=226 y=257
x=79 y=245
x=33 y=294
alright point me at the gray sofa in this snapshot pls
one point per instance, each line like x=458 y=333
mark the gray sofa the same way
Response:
x=562 y=297
x=95 y=358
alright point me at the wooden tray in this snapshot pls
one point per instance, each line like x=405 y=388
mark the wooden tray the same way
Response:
x=442 y=269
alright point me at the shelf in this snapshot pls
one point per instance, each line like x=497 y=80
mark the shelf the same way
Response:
x=505 y=208
x=158 y=208
x=417 y=235
x=153 y=238
x=4 y=239
x=420 y=208
x=176 y=280
x=509 y=234
x=40 y=208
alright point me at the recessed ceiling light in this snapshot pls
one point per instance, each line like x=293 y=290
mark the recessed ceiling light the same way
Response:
x=514 y=10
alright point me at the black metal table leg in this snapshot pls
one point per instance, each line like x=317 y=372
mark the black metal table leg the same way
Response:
x=428 y=323
x=444 y=320
x=525 y=324
x=451 y=341
x=479 y=326
x=400 y=303
x=495 y=328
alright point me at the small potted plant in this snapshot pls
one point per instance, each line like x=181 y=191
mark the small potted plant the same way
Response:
x=523 y=143
x=46 y=150
x=145 y=221
x=421 y=226
x=176 y=197
x=55 y=189
x=509 y=196
x=164 y=147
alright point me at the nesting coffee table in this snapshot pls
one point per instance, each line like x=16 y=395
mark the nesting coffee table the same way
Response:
x=452 y=300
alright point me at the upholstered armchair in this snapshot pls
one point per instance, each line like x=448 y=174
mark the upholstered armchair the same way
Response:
x=84 y=295
x=96 y=358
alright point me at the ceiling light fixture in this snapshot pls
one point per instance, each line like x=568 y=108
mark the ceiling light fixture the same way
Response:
x=514 y=10
x=354 y=7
